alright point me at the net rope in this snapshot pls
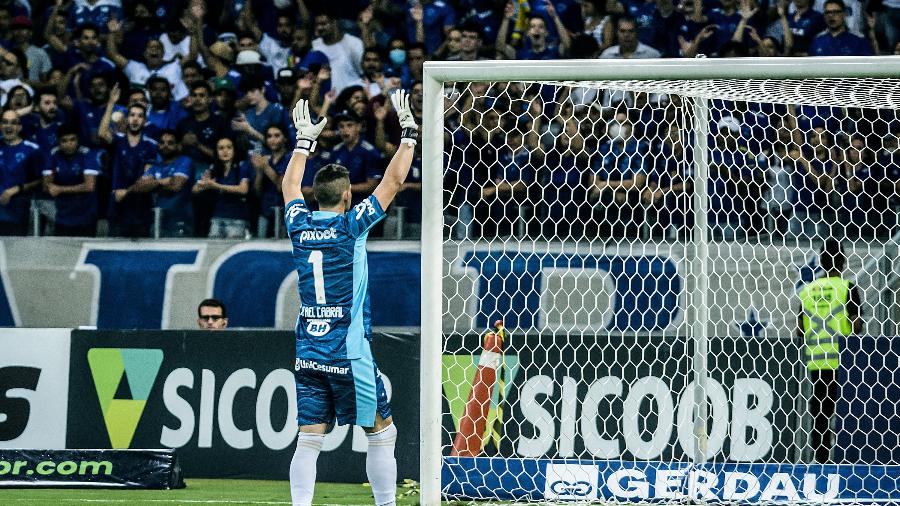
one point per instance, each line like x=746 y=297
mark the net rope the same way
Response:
x=570 y=215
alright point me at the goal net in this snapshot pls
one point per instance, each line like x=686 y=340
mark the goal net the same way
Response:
x=672 y=289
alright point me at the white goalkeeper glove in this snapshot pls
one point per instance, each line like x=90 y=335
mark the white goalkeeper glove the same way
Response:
x=307 y=131
x=410 y=131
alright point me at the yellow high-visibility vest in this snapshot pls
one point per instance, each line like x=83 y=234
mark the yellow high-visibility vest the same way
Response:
x=825 y=321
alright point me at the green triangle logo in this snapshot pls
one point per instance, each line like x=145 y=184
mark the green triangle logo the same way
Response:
x=109 y=368
x=457 y=374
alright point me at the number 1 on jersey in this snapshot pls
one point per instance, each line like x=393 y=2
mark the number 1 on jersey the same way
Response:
x=315 y=258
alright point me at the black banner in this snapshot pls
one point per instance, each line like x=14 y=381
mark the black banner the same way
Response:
x=222 y=399
x=147 y=469
x=630 y=397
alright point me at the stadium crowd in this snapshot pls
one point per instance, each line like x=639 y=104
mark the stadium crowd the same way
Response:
x=124 y=116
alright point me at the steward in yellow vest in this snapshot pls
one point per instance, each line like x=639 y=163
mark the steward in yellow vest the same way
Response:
x=829 y=311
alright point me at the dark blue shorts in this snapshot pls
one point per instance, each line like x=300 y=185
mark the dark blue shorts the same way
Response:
x=349 y=391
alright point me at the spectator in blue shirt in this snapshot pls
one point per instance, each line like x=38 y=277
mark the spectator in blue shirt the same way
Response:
x=535 y=45
x=863 y=202
x=508 y=188
x=814 y=173
x=132 y=153
x=89 y=113
x=669 y=185
x=429 y=22
x=199 y=130
x=169 y=182
x=361 y=158
x=619 y=177
x=259 y=114
x=270 y=168
x=164 y=113
x=735 y=179
x=837 y=40
x=805 y=24
x=566 y=170
x=41 y=125
x=94 y=12
x=228 y=180
x=21 y=163
x=84 y=60
x=71 y=179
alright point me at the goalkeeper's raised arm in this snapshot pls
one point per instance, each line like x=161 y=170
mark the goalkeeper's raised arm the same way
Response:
x=396 y=171
x=307 y=133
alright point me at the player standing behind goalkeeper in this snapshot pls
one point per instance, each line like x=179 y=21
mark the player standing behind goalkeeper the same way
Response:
x=334 y=370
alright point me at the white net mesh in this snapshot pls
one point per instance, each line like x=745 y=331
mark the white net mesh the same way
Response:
x=647 y=352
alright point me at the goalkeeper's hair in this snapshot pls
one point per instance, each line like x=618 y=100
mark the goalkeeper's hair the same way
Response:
x=330 y=183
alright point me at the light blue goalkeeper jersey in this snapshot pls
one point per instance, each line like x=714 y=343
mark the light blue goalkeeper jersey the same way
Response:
x=329 y=251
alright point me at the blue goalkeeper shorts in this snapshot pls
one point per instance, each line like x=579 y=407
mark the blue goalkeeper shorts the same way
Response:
x=349 y=391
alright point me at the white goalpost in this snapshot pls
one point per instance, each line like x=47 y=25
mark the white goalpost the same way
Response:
x=661 y=280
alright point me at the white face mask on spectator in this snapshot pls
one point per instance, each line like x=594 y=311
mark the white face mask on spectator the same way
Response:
x=618 y=131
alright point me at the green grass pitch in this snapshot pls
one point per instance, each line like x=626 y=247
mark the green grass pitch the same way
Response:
x=205 y=492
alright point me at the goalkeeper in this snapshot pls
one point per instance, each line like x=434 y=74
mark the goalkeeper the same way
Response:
x=335 y=374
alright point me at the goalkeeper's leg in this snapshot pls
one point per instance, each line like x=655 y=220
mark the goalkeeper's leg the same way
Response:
x=381 y=466
x=315 y=411
x=303 y=467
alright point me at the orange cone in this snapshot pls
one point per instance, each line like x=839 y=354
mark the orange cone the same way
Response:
x=469 y=439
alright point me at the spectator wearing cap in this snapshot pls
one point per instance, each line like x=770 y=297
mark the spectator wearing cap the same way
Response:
x=39 y=64
x=70 y=178
x=470 y=43
x=132 y=153
x=428 y=22
x=344 y=52
x=94 y=12
x=153 y=64
x=163 y=113
x=224 y=101
x=201 y=127
x=535 y=45
x=275 y=50
x=259 y=114
x=85 y=61
x=836 y=40
x=361 y=159
x=291 y=87
x=21 y=163
x=249 y=46
x=219 y=57
x=249 y=63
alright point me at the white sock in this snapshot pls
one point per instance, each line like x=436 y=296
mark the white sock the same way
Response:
x=303 y=468
x=381 y=467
